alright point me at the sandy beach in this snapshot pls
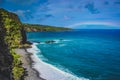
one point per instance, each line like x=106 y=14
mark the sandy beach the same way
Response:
x=27 y=64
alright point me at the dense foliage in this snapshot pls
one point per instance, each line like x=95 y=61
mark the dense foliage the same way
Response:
x=13 y=38
x=37 y=27
x=18 y=70
x=13 y=28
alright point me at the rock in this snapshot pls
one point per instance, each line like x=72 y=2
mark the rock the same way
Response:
x=37 y=42
x=50 y=41
x=24 y=38
x=28 y=42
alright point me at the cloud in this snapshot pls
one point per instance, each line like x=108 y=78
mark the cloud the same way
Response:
x=66 y=11
x=20 y=13
x=66 y=17
x=91 y=8
x=24 y=14
x=45 y=17
x=43 y=8
x=59 y=6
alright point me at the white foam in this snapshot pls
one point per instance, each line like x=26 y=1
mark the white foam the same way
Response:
x=57 y=41
x=42 y=43
x=34 y=48
x=48 y=71
x=62 y=45
x=66 y=40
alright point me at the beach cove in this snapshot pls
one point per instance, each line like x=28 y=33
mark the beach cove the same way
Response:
x=39 y=70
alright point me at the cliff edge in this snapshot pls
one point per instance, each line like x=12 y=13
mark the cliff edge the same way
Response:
x=12 y=35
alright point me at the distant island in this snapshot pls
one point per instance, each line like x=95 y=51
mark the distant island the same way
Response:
x=12 y=37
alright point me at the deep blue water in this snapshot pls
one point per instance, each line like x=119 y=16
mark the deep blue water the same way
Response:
x=93 y=54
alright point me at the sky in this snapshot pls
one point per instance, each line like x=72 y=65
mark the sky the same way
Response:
x=66 y=13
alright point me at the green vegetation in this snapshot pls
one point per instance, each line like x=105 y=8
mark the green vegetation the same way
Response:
x=13 y=39
x=18 y=70
x=37 y=27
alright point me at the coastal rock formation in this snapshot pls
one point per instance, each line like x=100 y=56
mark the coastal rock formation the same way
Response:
x=50 y=41
x=24 y=38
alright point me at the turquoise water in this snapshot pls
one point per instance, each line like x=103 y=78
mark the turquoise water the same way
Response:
x=93 y=54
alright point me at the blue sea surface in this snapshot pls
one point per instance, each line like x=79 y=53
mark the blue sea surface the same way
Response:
x=89 y=53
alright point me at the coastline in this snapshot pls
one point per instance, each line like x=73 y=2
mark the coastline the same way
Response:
x=32 y=74
x=39 y=70
x=49 y=71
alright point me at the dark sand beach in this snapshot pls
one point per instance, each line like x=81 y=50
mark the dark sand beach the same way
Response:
x=32 y=74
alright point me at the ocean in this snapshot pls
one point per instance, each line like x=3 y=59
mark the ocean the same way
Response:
x=85 y=54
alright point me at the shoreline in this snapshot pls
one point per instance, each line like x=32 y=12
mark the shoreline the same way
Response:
x=32 y=74
x=49 y=71
x=39 y=70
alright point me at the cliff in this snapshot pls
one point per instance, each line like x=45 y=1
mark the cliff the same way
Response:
x=6 y=58
x=12 y=35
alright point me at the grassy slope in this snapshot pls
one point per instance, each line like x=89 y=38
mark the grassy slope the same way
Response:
x=36 y=27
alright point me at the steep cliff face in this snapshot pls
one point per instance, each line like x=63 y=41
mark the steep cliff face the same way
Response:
x=5 y=56
x=12 y=35
x=24 y=37
x=15 y=33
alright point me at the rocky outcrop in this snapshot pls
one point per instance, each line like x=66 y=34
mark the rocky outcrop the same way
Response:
x=49 y=42
x=24 y=37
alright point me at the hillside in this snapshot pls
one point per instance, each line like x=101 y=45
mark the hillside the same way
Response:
x=12 y=35
x=37 y=27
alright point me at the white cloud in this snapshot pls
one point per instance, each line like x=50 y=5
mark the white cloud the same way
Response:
x=22 y=13
x=66 y=17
